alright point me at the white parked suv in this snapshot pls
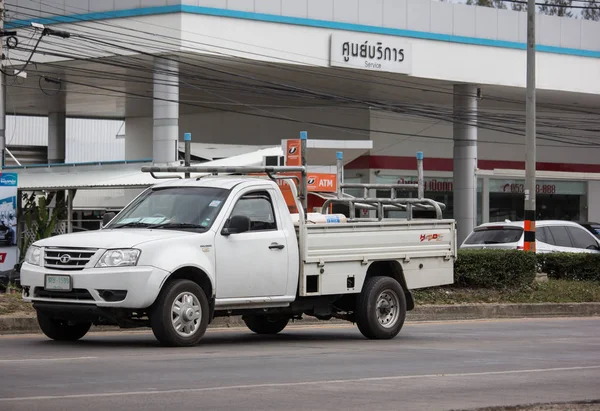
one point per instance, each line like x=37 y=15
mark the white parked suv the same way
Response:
x=550 y=236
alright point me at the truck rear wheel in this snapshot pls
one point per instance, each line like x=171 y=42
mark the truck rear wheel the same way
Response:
x=262 y=324
x=62 y=330
x=381 y=308
x=180 y=316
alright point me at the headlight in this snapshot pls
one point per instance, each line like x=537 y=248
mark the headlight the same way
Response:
x=33 y=255
x=119 y=258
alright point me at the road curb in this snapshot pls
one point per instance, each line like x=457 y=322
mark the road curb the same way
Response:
x=20 y=325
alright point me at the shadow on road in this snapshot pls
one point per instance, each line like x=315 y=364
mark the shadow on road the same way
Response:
x=145 y=340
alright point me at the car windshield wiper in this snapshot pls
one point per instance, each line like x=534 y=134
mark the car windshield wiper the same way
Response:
x=131 y=224
x=178 y=225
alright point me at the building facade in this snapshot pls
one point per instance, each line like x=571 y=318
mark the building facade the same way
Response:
x=411 y=75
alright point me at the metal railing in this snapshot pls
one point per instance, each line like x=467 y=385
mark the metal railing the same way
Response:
x=366 y=202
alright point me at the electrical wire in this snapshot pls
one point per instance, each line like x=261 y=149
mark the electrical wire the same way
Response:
x=116 y=91
x=252 y=62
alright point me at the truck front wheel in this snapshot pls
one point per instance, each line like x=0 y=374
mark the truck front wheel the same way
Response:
x=62 y=330
x=381 y=308
x=262 y=324
x=180 y=316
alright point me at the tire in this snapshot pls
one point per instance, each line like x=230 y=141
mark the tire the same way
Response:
x=192 y=320
x=262 y=324
x=61 y=330
x=387 y=293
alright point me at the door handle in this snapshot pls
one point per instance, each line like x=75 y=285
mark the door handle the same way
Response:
x=275 y=246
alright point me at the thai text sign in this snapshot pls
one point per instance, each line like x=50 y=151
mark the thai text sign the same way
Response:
x=370 y=53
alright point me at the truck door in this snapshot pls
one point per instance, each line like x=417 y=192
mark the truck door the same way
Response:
x=253 y=263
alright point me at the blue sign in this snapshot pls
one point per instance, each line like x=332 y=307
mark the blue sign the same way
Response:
x=9 y=179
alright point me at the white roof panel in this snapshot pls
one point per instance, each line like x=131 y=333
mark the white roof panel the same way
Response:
x=110 y=176
x=106 y=176
x=84 y=177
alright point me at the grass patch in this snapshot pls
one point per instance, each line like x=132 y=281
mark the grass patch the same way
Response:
x=553 y=291
x=13 y=303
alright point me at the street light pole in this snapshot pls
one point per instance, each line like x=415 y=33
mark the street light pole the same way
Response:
x=530 y=150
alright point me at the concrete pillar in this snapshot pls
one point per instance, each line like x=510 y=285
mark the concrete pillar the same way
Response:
x=166 y=112
x=57 y=129
x=485 y=199
x=465 y=159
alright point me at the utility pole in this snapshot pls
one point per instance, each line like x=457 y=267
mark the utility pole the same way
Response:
x=2 y=89
x=530 y=154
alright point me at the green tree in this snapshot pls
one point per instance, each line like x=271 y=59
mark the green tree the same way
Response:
x=40 y=220
x=519 y=7
x=498 y=4
x=559 y=8
x=592 y=11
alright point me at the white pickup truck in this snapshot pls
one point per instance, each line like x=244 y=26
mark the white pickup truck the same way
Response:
x=189 y=250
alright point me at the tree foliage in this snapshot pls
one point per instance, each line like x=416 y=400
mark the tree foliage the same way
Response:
x=561 y=8
x=592 y=10
x=557 y=8
x=498 y=4
x=39 y=218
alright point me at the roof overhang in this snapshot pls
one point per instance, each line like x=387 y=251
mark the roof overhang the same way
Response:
x=320 y=153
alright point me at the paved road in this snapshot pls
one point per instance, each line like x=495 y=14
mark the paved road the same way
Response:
x=429 y=366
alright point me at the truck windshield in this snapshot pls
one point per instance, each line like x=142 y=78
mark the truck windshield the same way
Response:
x=182 y=208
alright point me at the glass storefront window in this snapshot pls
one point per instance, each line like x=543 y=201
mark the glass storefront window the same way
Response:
x=555 y=200
x=436 y=188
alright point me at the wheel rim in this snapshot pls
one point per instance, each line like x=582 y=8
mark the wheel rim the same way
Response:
x=387 y=308
x=186 y=314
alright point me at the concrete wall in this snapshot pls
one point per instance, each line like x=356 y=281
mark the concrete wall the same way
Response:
x=492 y=145
x=231 y=128
x=418 y=15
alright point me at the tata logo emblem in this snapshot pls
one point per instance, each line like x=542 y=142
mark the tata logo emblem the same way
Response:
x=65 y=258
x=293 y=150
x=311 y=180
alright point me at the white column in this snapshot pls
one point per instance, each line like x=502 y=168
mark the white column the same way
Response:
x=465 y=159
x=57 y=129
x=166 y=112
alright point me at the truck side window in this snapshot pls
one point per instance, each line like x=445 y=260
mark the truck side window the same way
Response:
x=258 y=207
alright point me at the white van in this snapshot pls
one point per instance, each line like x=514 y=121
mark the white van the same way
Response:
x=550 y=236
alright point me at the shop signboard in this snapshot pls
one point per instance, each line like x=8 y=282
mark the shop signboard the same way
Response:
x=8 y=221
x=366 y=52
x=445 y=185
x=542 y=187
x=432 y=184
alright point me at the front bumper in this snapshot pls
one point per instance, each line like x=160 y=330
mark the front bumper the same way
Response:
x=126 y=287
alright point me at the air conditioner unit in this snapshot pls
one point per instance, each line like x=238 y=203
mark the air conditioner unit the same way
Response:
x=273 y=161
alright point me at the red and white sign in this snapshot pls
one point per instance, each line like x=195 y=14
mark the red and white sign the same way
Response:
x=293 y=153
x=431 y=237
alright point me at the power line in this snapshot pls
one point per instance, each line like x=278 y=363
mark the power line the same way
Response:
x=155 y=41
x=414 y=111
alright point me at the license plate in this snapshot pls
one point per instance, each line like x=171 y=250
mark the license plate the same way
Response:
x=58 y=283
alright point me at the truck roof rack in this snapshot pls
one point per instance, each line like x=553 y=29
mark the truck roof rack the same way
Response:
x=366 y=202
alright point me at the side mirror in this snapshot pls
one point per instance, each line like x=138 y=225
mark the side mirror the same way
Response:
x=107 y=217
x=236 y=225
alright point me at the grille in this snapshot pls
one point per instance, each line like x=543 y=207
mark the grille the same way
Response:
x=75 y=294
x=67 y=258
